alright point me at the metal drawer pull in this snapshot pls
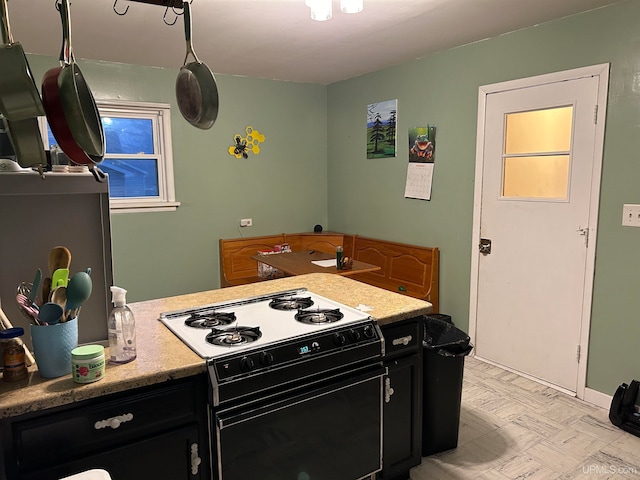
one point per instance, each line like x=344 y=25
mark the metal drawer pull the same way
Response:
x=195 y=459
x=388 y=390
x=113 y=422
x=402 y=340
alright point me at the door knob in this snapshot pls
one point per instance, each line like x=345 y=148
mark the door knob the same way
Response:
x=485 y=246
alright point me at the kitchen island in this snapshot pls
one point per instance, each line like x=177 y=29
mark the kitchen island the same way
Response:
x=161 y=398
x=163 y=357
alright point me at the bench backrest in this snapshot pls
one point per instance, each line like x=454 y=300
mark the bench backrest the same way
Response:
x=408 y=269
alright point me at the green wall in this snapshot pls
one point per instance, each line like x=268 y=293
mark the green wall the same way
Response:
x=313 y=168
x=283 y=188
x=366 y=196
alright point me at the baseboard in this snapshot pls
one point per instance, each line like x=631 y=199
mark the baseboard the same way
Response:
x=597 y=398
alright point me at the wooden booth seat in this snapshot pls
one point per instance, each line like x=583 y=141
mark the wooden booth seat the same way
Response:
x=407 y=269
x=238 y=268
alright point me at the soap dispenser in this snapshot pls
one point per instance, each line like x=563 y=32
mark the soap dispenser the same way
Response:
x=122 y=329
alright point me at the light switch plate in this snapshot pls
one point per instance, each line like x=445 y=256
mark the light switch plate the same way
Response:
x=630 y=215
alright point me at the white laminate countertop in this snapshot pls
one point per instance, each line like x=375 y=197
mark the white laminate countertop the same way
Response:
x=162 y=356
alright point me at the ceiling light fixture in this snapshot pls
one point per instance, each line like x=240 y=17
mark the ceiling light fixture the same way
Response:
x=322 y=10
x=351 y=6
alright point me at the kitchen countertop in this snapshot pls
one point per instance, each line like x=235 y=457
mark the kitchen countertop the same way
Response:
x=162 y=356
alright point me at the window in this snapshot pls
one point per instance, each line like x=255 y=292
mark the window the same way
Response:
x=138 y=156
x=537 y=154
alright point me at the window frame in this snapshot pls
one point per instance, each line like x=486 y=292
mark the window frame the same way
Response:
x=160 y=116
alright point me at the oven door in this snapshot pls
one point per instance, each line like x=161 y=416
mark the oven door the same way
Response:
x=327 y=431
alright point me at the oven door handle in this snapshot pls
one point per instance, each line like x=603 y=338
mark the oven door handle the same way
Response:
x=229 y=417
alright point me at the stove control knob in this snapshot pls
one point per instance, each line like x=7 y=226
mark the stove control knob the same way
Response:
x=369 y=332
x=315 y=346
x=246 y=364
x=266 y=358
x=355 y=335
x=339 y=339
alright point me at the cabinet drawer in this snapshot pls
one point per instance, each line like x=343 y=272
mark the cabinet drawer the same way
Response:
x=95 y=426
x=402 y=338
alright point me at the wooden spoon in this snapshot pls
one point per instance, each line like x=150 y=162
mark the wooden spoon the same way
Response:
x=59 y=257
x=59 y=296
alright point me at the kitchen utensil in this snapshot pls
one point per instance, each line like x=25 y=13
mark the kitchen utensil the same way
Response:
x=78 y=291
x=26 y=141
x=27 y=309
x=60 y=278
x=35 y=286
x=19 y=96
x=59 y=296
x=69 y=104
x=46 y=289
x=50 y=313
x=196 y=89
x=59 y=257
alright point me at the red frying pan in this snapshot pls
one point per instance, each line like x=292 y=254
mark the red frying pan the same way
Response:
x=70 y=107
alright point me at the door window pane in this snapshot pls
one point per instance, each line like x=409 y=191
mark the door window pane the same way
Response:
x=539 y=131
x=536 y=176
x=537 y=153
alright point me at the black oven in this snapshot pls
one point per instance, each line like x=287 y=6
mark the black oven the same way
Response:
x=330 y=430
x=296 y=383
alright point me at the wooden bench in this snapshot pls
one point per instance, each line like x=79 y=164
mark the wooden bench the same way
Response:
x=407 y=269
x=238 y=268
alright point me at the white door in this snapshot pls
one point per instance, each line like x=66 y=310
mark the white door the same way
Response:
x=539 y=153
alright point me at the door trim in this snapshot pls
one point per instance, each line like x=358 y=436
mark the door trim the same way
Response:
x=602 y=72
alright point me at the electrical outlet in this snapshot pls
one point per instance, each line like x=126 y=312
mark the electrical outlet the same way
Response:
x=631 y=215
x=246 y=222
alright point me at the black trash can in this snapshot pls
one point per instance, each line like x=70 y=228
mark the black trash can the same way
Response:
x=444 y=349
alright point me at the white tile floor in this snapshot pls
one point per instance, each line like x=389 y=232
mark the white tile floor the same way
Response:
x=514 y=428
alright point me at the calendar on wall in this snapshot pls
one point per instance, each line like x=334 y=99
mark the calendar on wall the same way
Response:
x=422 y=155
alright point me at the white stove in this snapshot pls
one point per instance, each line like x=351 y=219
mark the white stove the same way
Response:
x=289 y=388
x=258 y=318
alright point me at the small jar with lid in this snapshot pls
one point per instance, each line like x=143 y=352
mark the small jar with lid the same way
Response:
x=15 y=367
x=87 y=363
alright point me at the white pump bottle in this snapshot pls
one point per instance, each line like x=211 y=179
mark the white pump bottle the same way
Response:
x=122 y=329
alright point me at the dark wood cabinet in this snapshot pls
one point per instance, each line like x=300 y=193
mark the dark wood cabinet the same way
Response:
x=402 y=408
x=151 y=432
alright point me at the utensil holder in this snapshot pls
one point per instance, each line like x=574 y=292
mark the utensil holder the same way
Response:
x=52 y=345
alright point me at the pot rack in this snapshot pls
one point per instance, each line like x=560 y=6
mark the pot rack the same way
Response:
x=173 y=4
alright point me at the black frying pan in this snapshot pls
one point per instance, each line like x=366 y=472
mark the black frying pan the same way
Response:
x=196 y=89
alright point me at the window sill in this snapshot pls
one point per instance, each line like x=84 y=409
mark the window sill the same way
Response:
x=140 y=207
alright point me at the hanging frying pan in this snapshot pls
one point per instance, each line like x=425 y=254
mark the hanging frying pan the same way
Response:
x=19 y=96
x=69 y=104
x=196 y=89
x=26 y=141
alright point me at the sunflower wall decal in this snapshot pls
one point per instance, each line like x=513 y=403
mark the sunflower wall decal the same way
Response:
x=249 y=143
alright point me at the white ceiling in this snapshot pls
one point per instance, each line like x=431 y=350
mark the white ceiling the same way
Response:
x=276 y=39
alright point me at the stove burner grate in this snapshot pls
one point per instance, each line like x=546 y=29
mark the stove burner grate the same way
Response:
x=210 y=320
x=319 y=316
x=232 y=336
x=290 y=303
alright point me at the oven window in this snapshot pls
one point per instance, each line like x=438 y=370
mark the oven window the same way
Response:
x=333 y=434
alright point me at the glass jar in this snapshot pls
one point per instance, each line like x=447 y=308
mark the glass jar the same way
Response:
x=15 y=367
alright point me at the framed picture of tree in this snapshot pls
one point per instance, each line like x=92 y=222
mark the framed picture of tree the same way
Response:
x=381 y=129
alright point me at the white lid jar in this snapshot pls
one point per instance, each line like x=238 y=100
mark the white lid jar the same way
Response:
x=87 y=363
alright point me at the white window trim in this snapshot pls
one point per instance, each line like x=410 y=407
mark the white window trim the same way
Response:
x=166 y=200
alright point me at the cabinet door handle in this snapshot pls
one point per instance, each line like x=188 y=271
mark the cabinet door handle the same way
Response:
x=388 y=390
x=195 y=459
x=402 y=340
x=113 y=422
